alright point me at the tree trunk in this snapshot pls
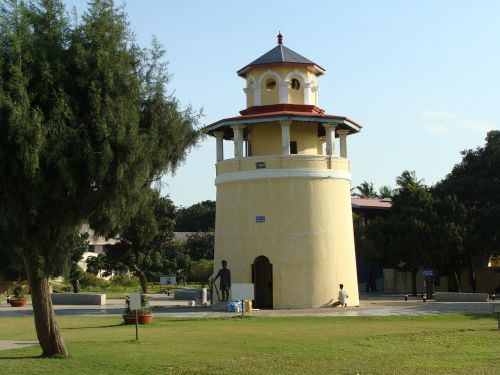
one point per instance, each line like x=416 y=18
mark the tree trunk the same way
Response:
x=139 y=272
x=429 y=286
x=144 y=281
x=472 y=274
x=414 y=282
x=371 y=283
x=47 y=329
x=457 y=281
x=452 y=285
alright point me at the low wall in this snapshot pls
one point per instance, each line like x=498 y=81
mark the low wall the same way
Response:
x=78 y=299
x=460 y=297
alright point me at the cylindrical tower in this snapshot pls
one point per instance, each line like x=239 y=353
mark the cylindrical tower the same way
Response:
x=283 y=218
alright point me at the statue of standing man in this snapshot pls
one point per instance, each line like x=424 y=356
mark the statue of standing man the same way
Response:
x=225 y=280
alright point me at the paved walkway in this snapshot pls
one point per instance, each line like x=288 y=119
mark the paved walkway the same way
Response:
x=15 y=344
x=373 y=305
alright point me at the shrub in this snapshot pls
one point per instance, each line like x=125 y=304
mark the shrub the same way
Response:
x=201 y=270
x=90 y=281
x=125 y=281
x=18 y=292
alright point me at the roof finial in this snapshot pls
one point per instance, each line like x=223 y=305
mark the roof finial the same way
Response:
x=280 y=38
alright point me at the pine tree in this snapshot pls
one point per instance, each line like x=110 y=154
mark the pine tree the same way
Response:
x=86 y=126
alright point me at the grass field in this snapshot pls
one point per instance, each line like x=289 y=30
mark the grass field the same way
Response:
x=438 y=344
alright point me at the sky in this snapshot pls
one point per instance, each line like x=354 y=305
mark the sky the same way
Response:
x=421 y=77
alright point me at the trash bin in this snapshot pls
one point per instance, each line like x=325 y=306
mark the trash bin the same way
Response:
x=234 y=306
x=204 y=298
x=201 y=296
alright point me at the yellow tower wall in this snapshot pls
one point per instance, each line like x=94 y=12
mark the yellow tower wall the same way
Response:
x=307 y=234
x=306 y=136
x=265 y=139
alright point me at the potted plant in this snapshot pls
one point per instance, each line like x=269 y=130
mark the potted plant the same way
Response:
x=18 y=299
x=144 y=315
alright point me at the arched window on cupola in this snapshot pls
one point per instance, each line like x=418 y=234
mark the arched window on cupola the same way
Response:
x=296 y=86
x=296 y=91
x=270 y=86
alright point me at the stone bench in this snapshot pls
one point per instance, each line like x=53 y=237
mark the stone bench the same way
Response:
x=460 y=297
x=189 y=294
x=78 y=299
x=185 y=294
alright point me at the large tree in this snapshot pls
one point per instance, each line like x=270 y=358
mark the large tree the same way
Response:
x=475 y=181
x=199 y=217
x=427 y=230
x=200 y=245
x=372 y=239
x=85 y=127
x=411 y=231
x=147 y=233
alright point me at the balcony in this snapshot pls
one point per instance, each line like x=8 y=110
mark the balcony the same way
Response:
x=284 y=162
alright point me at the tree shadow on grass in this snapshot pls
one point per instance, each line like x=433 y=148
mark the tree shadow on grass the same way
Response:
x=20 y=357
x=479 y=316
x=103 y=326
x=166 y=320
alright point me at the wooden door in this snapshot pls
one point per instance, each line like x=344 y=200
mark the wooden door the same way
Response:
x=262 y=277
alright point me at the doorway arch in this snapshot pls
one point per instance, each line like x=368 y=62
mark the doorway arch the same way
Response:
x=262 y=278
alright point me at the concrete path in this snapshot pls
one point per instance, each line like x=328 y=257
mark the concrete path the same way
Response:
x=372 y=305
x=15 y=344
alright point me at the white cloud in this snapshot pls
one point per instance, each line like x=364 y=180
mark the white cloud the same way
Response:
x=442 y=122
x=436 y=114
x=437 y=128
x=479 y=126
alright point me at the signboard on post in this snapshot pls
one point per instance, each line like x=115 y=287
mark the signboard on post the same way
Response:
x=242 y=291
x=496 y=309
x=427 y=273
x=135 y=305
x=135 y=301
x=168 y=280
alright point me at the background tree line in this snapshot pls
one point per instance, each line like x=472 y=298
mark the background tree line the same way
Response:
x=147 y=247
x=447 y=227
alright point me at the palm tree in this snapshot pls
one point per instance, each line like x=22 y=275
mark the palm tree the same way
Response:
x=365 y=190
x=385 y=192
x=408 y=179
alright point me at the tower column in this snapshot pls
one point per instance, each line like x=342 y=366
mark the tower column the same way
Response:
x=283 y=91
x=343 y=142
x=315 y=89
x=307 y=93
x=257 y=95
x=285 y=137
x=330 y=138
x=219 y=137
x=238 y=140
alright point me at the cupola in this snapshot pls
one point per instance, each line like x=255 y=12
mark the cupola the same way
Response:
x=281 y=76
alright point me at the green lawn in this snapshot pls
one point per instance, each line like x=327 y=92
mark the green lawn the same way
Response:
x=444 y=344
